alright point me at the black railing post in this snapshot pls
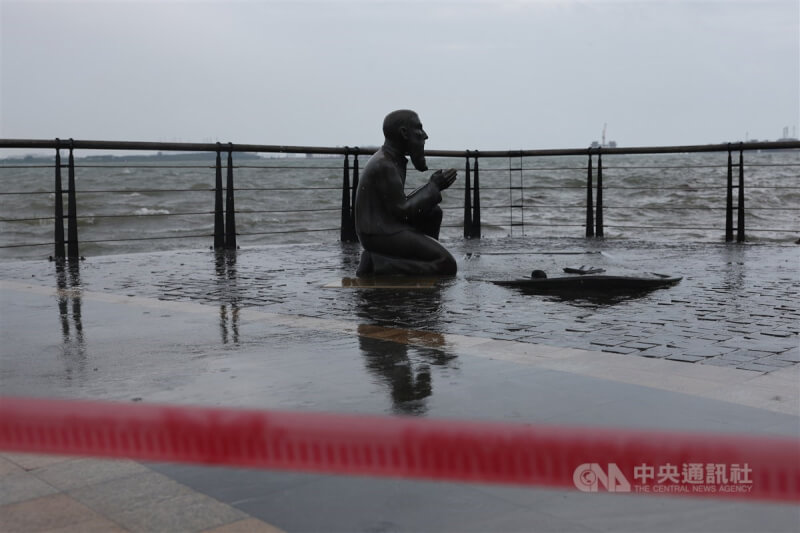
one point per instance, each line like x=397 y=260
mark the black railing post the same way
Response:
x=355 y=183
x=589 y=201
x=230 y=209
x=467 y=202
x=521 y=194
x=740 y=213
x=353 y=196
x=598 y=220
x=219 y=218
x=344 y=225
x=476 y=200
x=510 y=199
x=59 y=211
x=347 y=231
x=729 y=200
x=72 y=209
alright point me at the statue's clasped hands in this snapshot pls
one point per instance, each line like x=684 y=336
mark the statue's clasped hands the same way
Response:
x=444 y=178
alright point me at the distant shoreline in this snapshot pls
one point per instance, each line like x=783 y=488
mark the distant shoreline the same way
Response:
x=178 y=156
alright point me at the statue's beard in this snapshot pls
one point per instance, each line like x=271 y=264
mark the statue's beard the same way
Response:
x=418 y=160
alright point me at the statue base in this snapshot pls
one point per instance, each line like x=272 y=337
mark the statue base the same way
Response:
x=375 y=264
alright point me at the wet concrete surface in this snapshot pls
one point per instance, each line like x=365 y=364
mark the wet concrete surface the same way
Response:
x=736 y=306
x=141 y=349
x=260 y=329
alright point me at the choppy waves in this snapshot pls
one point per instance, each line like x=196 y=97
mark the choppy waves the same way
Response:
x=644 y=196
x=148 y=211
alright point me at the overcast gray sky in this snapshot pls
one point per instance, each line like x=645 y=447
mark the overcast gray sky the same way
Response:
x=482 y=75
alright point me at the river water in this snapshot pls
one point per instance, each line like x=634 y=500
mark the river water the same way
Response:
x=140 y=203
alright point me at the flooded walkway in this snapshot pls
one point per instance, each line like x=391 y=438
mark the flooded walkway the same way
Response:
x=269 y=328
x=736 y=305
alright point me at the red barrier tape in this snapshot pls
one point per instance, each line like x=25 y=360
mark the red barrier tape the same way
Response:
x=590 y=460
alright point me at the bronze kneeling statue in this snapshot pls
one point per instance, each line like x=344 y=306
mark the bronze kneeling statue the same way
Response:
x=400 y=233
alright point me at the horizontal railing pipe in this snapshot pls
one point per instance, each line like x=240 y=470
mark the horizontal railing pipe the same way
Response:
x=341 y=150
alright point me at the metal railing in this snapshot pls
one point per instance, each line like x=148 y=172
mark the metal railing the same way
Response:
x=519 y=187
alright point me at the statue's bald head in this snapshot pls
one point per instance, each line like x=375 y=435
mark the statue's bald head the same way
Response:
x=396 y=120
x=403 y=131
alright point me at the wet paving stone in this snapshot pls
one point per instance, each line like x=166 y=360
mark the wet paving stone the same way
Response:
x=762 y=343
x=792 y=355
x=782 y=334
x=774 y=360
x=757 y=367
x=685 y=358
x=736 y=305
x=708 y=351
x=742 y=356
x=659 y=352
x=620 y=349
x=606 y=342
x=641 y=346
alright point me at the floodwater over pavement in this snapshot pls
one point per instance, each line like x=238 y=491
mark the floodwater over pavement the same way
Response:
x=735 y=306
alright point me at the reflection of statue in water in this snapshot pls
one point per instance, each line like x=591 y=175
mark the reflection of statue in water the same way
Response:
x=406 y=370
x=409 y=383
x=406 y=361
x=400 y=233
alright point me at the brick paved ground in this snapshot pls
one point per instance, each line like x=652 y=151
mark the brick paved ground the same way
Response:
x=736 y=306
